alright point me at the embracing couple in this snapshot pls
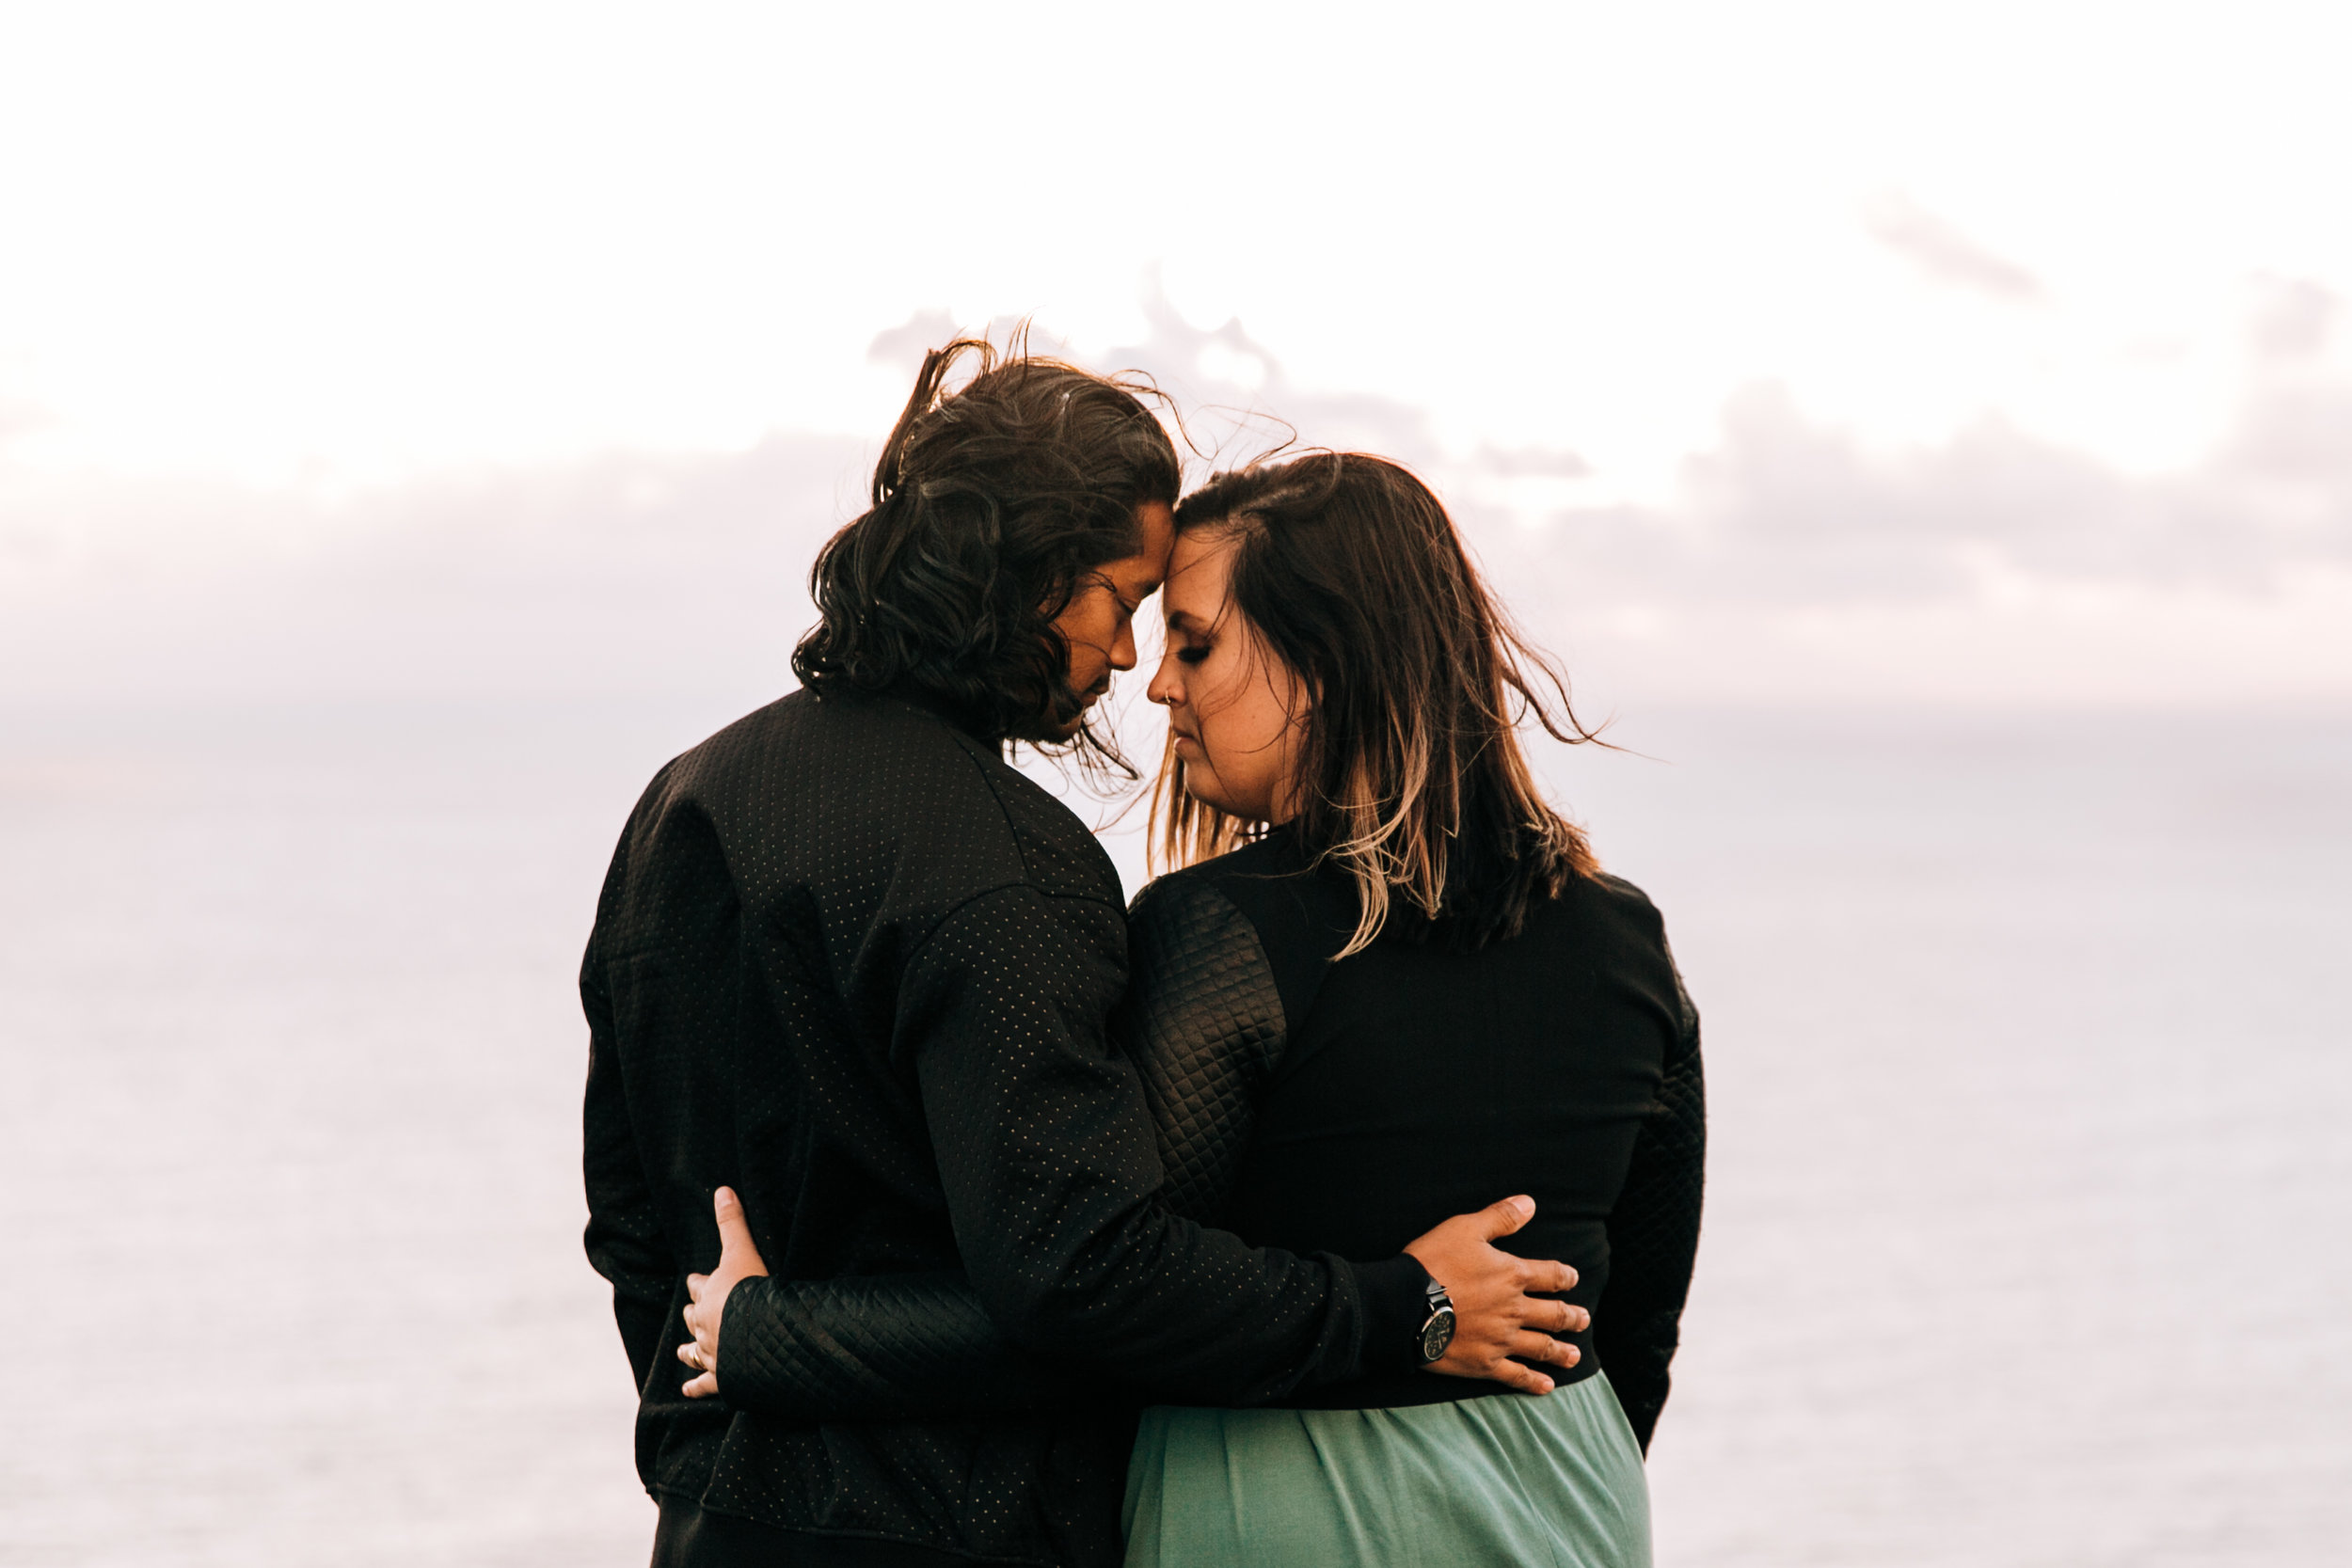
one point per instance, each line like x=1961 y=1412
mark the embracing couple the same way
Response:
x=1334 y=1204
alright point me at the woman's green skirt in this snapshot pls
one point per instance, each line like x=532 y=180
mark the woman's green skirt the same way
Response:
x=1508 y=1478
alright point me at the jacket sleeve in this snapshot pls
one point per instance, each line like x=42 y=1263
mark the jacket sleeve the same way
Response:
x=1203 y=1023
x=624 y=1238
x=876 y=1348
x=1051 y=1173
x=1654 y=1235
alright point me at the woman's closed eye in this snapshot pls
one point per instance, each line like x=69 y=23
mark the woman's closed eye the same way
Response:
x=1192 y=653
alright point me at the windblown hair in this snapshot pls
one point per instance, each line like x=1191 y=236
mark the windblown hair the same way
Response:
x=991 y=505
x=1414 y=681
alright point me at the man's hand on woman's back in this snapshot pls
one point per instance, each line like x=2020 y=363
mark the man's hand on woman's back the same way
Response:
x=1497 y=1313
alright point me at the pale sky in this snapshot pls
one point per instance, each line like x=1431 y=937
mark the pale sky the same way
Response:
x=299 y=253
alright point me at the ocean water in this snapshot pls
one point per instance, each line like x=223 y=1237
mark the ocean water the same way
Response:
x=2030 y=1226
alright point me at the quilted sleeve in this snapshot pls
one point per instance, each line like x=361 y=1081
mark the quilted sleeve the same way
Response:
x=882 y=1347
x=1654 y=1235
x=1202 y=1021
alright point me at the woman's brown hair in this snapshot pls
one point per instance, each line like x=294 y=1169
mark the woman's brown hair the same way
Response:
x=1411 y=777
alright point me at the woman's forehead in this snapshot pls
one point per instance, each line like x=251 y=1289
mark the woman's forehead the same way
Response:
x=1198 y=573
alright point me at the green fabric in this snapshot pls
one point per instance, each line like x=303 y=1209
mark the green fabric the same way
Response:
x=1554 y=1481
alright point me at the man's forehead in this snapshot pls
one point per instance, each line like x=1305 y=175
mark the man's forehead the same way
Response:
x=1143 y=572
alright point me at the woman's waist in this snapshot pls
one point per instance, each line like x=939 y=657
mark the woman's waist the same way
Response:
x=1306 y=1223
x=1396 y=1390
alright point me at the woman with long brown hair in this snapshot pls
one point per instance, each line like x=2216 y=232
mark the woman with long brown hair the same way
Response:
x=1375 y=919
x=1399 y=921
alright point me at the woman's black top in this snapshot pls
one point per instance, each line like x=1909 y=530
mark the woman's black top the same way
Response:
x=1346 y=1107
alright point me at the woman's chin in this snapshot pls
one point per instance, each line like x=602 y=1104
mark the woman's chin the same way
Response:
x=1248 y=810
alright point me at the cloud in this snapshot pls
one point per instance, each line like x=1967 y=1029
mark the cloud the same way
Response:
x=1993 y=565
x=625 y=572
x=1944 y=253
x=905 y=344
x=2293 y=320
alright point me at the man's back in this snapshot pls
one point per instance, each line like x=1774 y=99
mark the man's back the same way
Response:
x=852 y=965
x=747 y=989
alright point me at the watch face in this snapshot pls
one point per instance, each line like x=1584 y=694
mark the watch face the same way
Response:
x=1436 y=1335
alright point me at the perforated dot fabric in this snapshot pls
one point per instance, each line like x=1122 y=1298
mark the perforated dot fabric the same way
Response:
x=850 y=963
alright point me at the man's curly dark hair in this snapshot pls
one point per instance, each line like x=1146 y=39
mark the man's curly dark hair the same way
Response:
x=991 y=506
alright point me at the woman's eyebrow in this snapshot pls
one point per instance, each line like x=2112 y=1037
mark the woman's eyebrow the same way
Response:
x=1183 y=617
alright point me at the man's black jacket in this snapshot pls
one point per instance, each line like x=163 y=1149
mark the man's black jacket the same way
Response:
x=850 y=963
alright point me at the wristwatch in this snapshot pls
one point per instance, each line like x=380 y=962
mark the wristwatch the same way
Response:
x=1437 y=1332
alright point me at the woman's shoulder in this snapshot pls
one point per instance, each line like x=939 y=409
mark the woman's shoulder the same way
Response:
x=1619 y=898
x=1633 y=928
x=1237 y=879
x=1297 y=916
x=1597 y=912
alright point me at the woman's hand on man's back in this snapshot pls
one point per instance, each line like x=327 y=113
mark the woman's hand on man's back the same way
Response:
x=707 y=1294
x=1498 y=1312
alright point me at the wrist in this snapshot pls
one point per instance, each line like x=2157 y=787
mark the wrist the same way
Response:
x=1437 y=1329
x=1394 y=1295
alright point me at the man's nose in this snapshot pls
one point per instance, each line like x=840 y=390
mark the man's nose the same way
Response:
x=1124 y=646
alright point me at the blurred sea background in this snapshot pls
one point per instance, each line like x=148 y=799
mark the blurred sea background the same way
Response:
x=1924 y=433
x=2028 y=1081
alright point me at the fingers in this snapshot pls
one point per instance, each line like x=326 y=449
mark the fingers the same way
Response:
x=1542 y=1276
x=1527 y=1379
x=700 y=1387
x=1531 y=1346
x=695 y=1285
x=1501 y=1219
x=1560 y=1317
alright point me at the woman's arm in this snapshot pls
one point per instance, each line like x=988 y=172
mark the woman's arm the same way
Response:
x=873 y=1348
x=1654 y=1235
x=1203 y=1023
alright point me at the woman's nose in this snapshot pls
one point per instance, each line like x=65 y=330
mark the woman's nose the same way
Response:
x=1164 y=688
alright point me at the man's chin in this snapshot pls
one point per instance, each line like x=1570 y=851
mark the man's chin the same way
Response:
x=1057 y=728
x=1053 y=729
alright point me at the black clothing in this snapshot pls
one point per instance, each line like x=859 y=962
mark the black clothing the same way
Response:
x=1318 y=1104
x=850 y=963
x=1416 y=1081
x=687 y=1537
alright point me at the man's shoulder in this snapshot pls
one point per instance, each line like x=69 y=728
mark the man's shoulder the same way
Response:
x=881 y=779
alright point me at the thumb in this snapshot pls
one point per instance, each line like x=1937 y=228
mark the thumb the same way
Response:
x=733 y=1230
x=1501 y=1218
x=736 y=1246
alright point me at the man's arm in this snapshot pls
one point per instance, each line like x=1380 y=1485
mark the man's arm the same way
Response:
x=1203 y=1025
x=1054 y=1117
x=1051 y=1171
x=623 y=1236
